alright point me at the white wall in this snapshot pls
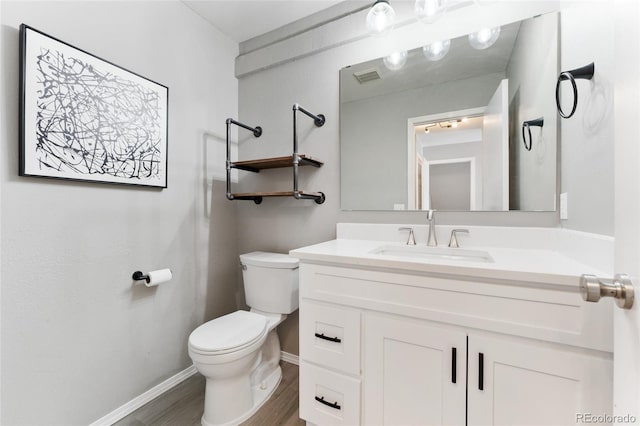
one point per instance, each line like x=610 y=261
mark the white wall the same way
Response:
x=78 y=339
x=587 y=153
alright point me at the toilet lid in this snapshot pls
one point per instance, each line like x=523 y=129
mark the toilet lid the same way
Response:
x=269 y=260
x=229 y=331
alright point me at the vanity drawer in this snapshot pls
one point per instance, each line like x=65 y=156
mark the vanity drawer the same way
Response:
x=330 y=336
x=328 y=398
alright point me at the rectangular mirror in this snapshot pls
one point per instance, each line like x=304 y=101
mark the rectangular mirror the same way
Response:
x=475 y=130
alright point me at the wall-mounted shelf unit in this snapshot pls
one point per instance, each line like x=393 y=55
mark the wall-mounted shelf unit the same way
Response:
x=295 y=161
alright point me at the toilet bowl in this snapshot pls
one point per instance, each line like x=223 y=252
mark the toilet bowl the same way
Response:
x=239 y=353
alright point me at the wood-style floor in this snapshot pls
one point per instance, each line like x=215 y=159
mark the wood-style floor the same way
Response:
x=184 y=404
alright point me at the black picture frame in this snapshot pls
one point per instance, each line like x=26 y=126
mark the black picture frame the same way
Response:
x=84 y=118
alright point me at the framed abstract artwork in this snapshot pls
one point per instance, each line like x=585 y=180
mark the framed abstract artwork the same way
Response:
x=84 y=118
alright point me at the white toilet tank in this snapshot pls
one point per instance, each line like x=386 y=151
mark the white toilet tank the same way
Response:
x=270 y=281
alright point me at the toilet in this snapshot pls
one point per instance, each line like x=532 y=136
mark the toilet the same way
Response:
x=239 y=353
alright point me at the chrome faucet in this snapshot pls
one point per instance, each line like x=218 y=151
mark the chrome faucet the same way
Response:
x=432 y=241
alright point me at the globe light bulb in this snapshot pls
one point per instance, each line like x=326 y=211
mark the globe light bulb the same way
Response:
x=396 y=60
x=429 y=11
x=436 y=50
x=484 y=38
x=380 y=18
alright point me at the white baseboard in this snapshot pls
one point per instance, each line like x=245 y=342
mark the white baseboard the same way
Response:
x=290 y=358
x=131 y=406
x=139 y=401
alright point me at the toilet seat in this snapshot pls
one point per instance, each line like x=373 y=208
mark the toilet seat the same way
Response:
x=229 y=333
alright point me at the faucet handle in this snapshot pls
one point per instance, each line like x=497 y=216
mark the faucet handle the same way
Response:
x=453 y=241
x=412 y=239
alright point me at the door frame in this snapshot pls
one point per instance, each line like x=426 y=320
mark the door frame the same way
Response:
x=626 y=323
x=472 y=179
x=412 y=123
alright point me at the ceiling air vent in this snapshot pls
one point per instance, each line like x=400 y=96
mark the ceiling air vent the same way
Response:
x=367 y=75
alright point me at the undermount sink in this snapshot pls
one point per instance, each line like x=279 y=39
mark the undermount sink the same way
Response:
x=442 y=253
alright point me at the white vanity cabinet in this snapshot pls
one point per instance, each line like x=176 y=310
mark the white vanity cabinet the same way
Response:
x=380 y=346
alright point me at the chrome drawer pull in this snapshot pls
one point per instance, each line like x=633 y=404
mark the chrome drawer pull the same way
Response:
x=331 y=339
x=335 y=405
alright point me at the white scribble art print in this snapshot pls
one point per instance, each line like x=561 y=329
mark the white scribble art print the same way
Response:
x=87 y=119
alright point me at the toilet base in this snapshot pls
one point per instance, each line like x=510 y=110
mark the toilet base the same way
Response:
x=261 y=392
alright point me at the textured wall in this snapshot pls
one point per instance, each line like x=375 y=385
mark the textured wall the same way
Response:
x=587 y=138
x=78 y=338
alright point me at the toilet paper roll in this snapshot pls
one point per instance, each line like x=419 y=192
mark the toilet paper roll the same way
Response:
x=158 y=277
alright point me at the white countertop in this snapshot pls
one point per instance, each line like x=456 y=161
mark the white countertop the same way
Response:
x=524 y=265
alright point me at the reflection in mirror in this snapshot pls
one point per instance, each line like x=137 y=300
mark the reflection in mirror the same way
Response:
x=444 y=131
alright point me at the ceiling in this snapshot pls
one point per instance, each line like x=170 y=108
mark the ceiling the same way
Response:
x=242 y=20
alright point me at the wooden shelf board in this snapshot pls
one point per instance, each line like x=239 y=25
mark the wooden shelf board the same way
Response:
x=272 y=194
x=277 y=162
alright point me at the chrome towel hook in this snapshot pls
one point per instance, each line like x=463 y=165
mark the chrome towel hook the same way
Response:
x=585 y=73
x=538 y=122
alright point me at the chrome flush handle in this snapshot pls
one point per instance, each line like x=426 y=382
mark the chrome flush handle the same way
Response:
x=412 y=239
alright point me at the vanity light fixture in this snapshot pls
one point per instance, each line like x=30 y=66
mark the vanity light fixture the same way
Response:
x=429 y=11
x=380 y=18
x=436 y=50
x=449 y=124
x=396 y=60
x=484 y=38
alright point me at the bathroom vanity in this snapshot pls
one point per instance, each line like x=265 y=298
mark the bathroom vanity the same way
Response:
x=395 y=334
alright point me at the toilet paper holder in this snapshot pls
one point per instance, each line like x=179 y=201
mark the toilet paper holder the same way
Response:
x=153 y=278
x=139 y=276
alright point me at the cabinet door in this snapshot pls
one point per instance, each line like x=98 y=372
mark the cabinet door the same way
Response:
x=514 y=382
x=414 y=372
